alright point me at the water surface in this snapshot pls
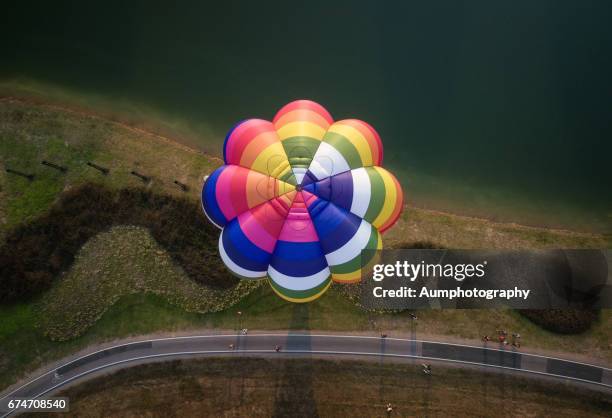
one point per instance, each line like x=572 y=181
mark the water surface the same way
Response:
x=497 y=109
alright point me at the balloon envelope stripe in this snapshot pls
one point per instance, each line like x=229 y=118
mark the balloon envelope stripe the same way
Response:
x=303 y=107
x=346 y=148
x=209 y=202
x=243 y=135
x=236 y=269
x=241 y=250
x=300 y=296
x=369 y=134
x=335 y=227
x=298 y=259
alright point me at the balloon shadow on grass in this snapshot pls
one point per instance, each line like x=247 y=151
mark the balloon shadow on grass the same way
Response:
x=295 y=392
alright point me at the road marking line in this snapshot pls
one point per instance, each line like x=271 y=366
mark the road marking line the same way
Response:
x=291 y=336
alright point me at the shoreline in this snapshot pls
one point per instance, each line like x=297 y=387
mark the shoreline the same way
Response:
x=516 y=225
x=186 y=145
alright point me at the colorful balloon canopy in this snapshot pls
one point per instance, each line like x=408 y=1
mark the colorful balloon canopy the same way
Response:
x=299 y=198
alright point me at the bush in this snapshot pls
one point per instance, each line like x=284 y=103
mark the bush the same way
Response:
x=33 y=254
x=563 y=321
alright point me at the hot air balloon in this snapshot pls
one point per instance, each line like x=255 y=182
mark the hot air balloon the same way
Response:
x=299 y=198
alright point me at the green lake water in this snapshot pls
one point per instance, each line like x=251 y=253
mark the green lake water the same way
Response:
x=496 y=109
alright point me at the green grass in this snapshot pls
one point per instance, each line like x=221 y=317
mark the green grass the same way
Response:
x=455 y=231
x=30 y=134
x=24 y=346
x=29 y=198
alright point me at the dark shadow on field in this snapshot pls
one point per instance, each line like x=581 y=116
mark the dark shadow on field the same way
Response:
x=33 y=254
x=413 y=337
x=236 y=388
x=295 y=391
x=381 y=384
x=426 y=396
x=486 y=377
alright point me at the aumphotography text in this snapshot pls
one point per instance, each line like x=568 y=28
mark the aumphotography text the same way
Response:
x=423 y=270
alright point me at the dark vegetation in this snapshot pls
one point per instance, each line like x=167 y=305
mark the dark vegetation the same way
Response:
x=34 y=253
x=563 y=321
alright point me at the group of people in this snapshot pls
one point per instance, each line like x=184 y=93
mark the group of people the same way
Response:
x=502 y=338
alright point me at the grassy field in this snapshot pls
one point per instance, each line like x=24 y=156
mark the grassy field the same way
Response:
x=307 y=387
x=144 y=293
x=32 y=133
x=110 y=266
x=454 y=231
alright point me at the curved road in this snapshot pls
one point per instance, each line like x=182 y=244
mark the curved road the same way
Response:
x=304 y=344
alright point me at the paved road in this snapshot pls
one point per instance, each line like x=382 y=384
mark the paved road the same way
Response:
x=299 y=344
